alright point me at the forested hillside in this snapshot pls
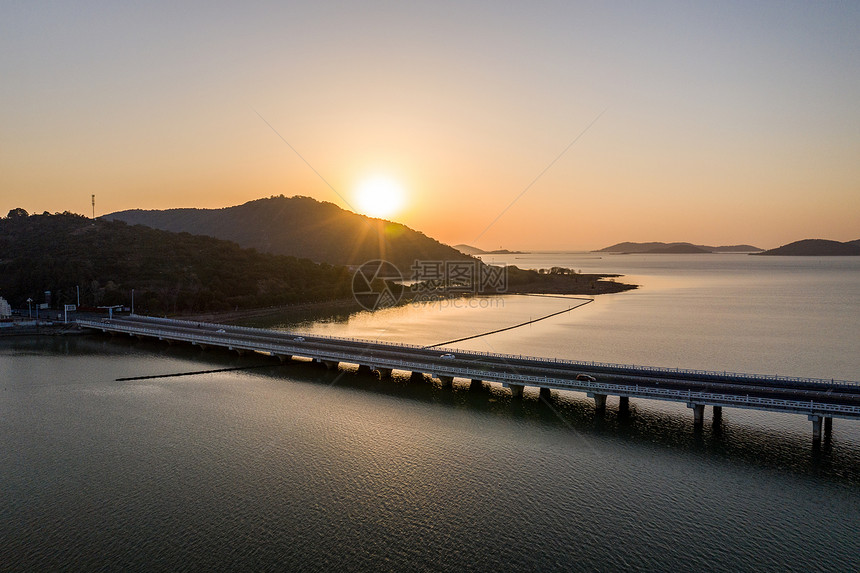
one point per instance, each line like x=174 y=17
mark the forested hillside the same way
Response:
x=302 y=227
x=169 y=272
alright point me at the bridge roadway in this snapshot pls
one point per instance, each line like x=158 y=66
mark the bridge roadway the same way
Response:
x=821 y=400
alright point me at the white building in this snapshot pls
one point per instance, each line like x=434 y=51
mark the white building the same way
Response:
x=5 y=309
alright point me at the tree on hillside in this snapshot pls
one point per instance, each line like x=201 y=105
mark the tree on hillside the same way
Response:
x=169 y=272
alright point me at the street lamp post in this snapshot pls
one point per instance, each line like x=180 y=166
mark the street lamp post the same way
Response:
x=132 y=302
x=29 y=311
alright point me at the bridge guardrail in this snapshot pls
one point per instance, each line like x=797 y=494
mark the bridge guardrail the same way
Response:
x=810 y=407
x=573 y=363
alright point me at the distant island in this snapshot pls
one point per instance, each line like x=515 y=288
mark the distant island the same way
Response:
x=469 y=250
x=675 y=248
x=816 y=248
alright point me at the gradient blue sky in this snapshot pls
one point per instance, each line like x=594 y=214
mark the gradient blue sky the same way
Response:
x=721 y=122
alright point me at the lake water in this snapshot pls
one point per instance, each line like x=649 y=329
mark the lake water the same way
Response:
x=294 y=467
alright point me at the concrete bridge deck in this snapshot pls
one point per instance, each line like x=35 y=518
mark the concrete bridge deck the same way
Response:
x=819 y=399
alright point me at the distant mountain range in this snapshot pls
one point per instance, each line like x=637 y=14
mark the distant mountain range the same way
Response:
x=301 y=227
x=676 y=248
x=470 y=250
x=817 y=248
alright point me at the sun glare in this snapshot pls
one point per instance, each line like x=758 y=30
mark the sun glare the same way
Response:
x=379 y=197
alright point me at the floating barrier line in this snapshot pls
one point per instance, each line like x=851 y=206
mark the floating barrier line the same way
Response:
x=511 y=327
x=193 y=373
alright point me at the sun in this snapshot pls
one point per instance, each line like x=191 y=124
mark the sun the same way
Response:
x=379 y=197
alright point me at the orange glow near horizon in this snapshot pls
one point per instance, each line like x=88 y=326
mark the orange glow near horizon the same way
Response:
x=745 y=132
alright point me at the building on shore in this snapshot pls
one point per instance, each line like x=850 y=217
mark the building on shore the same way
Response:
x=5 y=309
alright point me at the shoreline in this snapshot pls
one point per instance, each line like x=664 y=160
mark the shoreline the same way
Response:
x=573 y=284
x=50 y=329
x=563 y=285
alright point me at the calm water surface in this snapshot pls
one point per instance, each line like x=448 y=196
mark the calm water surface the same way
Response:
x=797 y=316
x=293 y=467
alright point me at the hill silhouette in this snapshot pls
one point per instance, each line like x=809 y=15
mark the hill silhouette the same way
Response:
x=301 y=227
x=170 y=272
x=680 y=249
x=470 y=250
x=816 y=248
x=675 y=248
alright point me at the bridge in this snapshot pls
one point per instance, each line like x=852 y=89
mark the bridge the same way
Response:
x=820 y=400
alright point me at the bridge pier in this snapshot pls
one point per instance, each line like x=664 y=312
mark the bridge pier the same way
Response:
x=599 y=400
x=534 y=371
x=624 y=404
x=416 y=376
x=698 y=413
x=447 y=381
x=364 y=369
x=516 y=389
x=816 y=427
x=545 y=393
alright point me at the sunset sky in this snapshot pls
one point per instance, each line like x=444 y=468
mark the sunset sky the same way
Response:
x=713 y=122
